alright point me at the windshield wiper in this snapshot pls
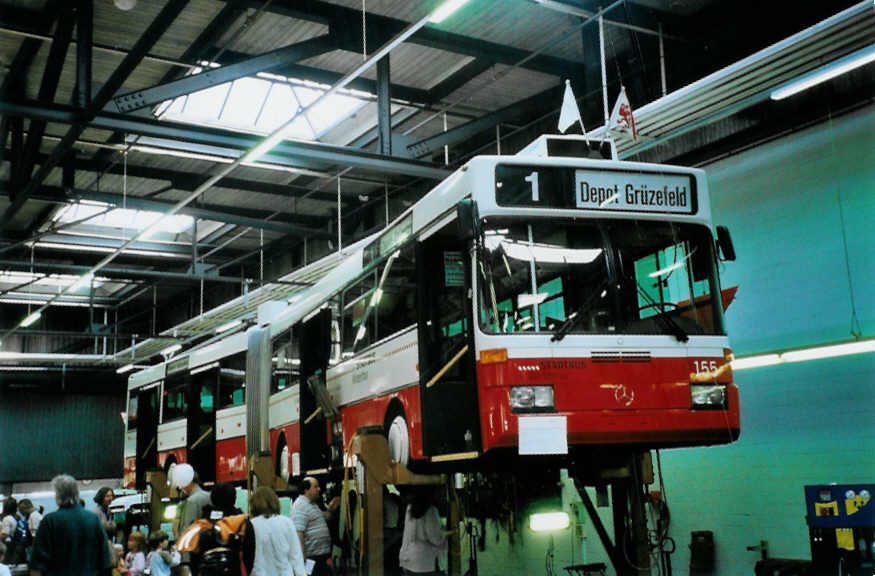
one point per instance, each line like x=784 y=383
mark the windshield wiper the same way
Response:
x=662 y=317
x=575 y=317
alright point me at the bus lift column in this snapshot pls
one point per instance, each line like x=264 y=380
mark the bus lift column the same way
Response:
x=258 y=371
x=372 y=449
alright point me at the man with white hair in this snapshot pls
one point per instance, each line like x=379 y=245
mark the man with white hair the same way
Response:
x=71 y=540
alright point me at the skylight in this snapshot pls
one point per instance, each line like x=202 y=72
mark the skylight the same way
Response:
x=260 y=104
x=123 y=218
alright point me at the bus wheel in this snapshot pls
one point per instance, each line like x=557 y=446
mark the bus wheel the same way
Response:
x=398 y=436
x=282 y=458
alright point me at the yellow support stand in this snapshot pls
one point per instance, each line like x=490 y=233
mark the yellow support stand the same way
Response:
x=373 y=452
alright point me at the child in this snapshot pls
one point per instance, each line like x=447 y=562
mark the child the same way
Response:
x=160 y=558
x=136 y=557
x=118 y=560
x=4 y=569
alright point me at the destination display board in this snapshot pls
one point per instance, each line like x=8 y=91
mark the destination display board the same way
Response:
x=606 y=190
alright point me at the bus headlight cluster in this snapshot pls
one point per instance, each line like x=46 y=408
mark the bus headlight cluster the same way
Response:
x=529 y=398
x=708 y=396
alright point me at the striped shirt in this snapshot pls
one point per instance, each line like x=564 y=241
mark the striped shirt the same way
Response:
x=310 y=520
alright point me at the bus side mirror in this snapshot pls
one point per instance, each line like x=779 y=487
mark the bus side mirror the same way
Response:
x=724 y=242
x=468 y=219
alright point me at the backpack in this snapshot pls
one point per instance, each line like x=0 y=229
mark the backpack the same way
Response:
x=22 y=533
x=218 y=545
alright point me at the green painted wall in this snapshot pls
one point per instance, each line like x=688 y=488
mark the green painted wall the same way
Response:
x=804 y=423
x=44 y=434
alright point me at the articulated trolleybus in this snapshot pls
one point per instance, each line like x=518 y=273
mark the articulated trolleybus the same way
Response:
x=530 y=304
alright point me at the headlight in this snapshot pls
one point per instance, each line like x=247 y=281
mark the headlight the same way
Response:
x=708 y=396
x=531 y=398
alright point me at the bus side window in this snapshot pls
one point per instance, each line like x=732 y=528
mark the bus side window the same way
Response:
x=232 y=381
x=132 y=410
x=396 y=303
x=358 y=325
x=175 y=401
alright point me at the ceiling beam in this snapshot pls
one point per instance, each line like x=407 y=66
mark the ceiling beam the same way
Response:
x=293 y=153
x=346 y=23
x=13 y=82
x=48 y=87
x=303 y=72
x=215 y=76
x=155 y=30
x=524 y=109
x=85 y=37
x=459 y=78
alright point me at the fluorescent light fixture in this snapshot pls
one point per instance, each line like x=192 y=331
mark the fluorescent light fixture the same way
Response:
x=803 y=354
x=182 y=154
x=204 y=368
x=107 y=250
x=445 y=10
x=828 y=72
x=30 y=319
x=125 y=368
x=171 y=349
x=549 y=521
x=228 y=326
x=818 y=352
x=756 y=361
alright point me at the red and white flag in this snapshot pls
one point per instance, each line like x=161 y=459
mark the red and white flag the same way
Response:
x=621 y=116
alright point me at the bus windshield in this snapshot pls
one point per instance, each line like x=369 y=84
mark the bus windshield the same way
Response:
x=598 y=277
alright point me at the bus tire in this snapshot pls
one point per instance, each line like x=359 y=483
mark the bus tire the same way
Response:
x=397 y=434
x=169 y=465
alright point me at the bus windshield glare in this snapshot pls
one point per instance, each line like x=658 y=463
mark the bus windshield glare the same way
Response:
x=598 y=277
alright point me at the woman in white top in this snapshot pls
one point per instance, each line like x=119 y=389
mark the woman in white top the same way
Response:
x=424 y=539
x=277 y=547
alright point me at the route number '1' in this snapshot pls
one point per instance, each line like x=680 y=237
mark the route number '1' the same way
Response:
x=533 y=180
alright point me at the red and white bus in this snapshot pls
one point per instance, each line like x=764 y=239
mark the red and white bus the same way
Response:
x=528 y=304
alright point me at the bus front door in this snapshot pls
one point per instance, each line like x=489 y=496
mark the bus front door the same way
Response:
x=147 y=434
x=448 y=391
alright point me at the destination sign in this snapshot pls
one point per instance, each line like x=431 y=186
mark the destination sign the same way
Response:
x=634 y=191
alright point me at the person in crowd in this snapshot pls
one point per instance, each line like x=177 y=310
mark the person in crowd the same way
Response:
x=311 y=523
x=161 y=558
x=423 y=539
x=4 y=569
x=8 y=521
x=103 y=498
x=135 y=559
x=223 y=500
x=31 y=519
x=70 y=541
x=118 y=560
x=190 y=509
x=33 y=516
x=277 y=545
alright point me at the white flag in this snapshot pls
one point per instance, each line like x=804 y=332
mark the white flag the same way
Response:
x=621 y=116
x=569 y=114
